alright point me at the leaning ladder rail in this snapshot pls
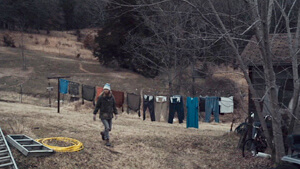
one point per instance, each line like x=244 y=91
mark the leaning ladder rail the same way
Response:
x=6 y=157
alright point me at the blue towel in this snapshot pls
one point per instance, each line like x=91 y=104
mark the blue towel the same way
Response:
x=192 y=119
x=63 y=86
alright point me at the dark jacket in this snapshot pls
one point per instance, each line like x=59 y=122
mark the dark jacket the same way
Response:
x=107 y=106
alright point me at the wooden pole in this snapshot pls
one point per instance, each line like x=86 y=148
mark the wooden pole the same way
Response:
x=58 y=88
x=21 y=92
x=58 y=95
x=82 y=94
x=49 y=94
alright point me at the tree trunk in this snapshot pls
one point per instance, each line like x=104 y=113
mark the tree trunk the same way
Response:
x=293 y=50
x=243 y=67
x=262 y=33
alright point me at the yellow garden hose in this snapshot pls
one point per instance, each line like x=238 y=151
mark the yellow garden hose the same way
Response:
x=77 y=145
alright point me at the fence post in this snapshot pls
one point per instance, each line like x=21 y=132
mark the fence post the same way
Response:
x=21 y=92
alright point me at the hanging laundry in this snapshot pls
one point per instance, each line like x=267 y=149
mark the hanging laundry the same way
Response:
x=119 y=97
x=226 y=104
x=161 y=108
x=176 y=105
x=192 y=119
x=202 y=104
x=212 y=105
x=74 y=88
x=148 y=103
x=99 y=90
x=63 y=86
x=88 y=92
x=134 y=102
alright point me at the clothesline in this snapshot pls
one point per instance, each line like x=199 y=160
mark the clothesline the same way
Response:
x=97 y=87
x=158 y=105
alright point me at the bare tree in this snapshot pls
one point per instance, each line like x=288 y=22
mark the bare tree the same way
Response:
x=293 y=41
x=227 y=25
x=170 y=41
x=261 y=13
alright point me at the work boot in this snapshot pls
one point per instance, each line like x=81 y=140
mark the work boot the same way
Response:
x=107 y=143
x=102 y=135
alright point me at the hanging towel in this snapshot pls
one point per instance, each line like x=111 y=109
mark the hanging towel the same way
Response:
x=133 y=101
x=99 y=90
x=192 y=119
x=63 y=86
x=74 y=88
x=226 y=104
x=119 y=97
x=88 y=92
x=161 y=108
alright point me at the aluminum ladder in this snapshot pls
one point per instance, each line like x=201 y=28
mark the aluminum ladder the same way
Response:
x=6 y=158
x=28 y=146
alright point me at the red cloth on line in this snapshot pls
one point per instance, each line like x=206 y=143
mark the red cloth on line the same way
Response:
x=119 y=97
x=99 y=90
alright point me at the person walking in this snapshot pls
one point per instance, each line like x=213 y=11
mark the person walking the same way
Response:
x=107 y=105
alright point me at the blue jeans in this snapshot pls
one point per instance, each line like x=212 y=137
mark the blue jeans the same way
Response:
x=107 y=127
x=212 y=105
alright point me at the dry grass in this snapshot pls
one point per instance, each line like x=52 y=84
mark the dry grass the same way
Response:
x=137 y=143
x=62 y=43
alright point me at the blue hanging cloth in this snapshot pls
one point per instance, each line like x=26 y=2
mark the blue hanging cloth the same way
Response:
x=63 y=86
x=192 y=119
x=212 y=105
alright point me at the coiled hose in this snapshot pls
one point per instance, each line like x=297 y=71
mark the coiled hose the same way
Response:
x=77 y=145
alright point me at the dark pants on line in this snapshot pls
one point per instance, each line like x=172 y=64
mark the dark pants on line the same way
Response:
x=107 y=127
x=176 y=107
x=150 y=105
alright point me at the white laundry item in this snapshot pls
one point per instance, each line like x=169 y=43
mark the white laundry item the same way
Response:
x=161 y=98
x=161 y=108
x=150 y=97
x=226 y=104
x=175 y=97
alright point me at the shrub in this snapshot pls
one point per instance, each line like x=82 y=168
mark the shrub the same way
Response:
x=89 y=42
x=36 y=41
x=8 y=41
x=46 y=42
x=79 y=35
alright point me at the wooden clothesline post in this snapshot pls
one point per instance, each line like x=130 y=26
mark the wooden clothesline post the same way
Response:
x=58 y=88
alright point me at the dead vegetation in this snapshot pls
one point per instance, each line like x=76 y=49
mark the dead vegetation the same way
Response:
x=57 y=42
x=137 y=143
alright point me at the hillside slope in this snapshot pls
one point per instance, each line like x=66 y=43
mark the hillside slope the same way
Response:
x=137 y=143
x=41 y=65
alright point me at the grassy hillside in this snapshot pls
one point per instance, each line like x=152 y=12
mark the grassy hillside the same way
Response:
x=41 y=65
x=137 y=143
x=60 y=43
